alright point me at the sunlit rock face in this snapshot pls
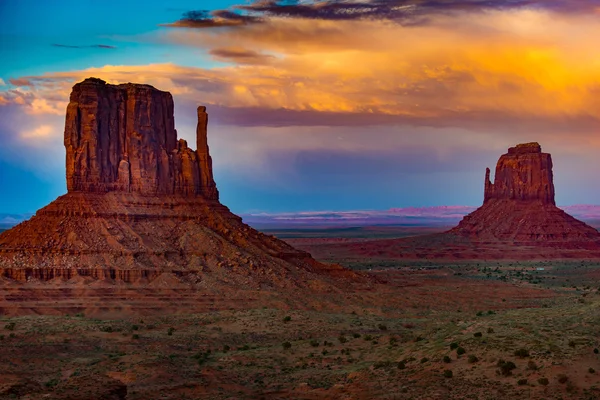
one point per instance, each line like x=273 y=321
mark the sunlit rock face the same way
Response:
x=123 y=138
x=524 y=173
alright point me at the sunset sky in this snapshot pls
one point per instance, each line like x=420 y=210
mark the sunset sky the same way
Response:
x=317 y=105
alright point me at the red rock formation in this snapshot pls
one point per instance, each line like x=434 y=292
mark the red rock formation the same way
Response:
x=141 y=204
x=524 y=173
x=519 y=205
x=517 y=221
x=123 y=138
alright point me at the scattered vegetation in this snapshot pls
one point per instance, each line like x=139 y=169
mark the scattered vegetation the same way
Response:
x=522 y=353
x=506 y=367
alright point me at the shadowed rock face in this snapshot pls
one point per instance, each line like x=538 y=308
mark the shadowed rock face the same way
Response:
x=123 y=138
x=524 y=173
x=519 y=206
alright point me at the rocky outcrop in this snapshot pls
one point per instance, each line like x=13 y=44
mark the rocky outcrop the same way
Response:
x=524 y=174
x=123 y=138
x=142 y=205
x=520 y=207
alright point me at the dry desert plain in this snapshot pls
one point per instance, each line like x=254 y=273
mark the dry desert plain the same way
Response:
x=434 y=329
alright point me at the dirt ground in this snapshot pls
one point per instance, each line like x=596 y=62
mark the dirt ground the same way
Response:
x=461 y=329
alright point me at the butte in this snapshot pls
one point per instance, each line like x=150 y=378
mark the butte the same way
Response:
x=519 y=220
x=142 y=212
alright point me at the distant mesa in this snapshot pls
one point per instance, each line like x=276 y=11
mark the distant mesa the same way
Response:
x=520 y=204
x=142 y=206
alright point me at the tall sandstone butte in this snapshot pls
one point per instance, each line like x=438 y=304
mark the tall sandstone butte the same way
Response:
x=141 y=204
x=520 y=206
x=123 y=138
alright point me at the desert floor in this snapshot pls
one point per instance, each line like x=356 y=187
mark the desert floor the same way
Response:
x=432 y=330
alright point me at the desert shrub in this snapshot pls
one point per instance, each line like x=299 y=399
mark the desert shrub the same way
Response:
x=367 y=337
x=478 y=334
x=532 y=365
x=287 y=318
x=342 y=339
x=356 y=335
x=419 y=338
x=473 y=359
x=522 y=382
x=324 y=352
x=202 y=357
x=286 y=345
x=170 y=331
x=382 y=364
x=460 y=351
x=402 y=365
x=596 y=351
x=506 y=367
x=522 y=353
x=453 y=345
x=543 y=381
x=314 y=343
x=12 y=335
x=135 y=336
x=393 y=341
x=135 y=327
x=572 y=343
x=591 y=370
x=382 y=327
x=448 y=373
x=562 y=378
x=424 y=360
x=1 y=337
x=244 y=347
x=490 y=330
x=106 y=329
x=226 y=348
x=10 y=326
x=51 y=383
x=447 y=360
x=479 y=314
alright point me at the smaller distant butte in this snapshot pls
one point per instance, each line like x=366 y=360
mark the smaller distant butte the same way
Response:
x=519 y=206
x=518 y=220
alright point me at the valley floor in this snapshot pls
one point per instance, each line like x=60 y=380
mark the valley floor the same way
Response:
x=473 y=330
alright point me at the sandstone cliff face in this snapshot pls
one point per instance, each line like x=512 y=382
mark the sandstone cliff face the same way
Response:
x=123 y=138
x=524 y=173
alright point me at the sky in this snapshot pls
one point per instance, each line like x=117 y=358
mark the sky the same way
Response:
x=317 y=105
